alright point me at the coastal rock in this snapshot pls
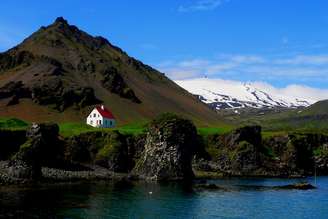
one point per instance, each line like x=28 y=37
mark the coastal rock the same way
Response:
x=41 y=148
x=114 y=155
x=250 y=134
x=10 y=142
x=23 y=170
x=235 y=153
x=169 y=148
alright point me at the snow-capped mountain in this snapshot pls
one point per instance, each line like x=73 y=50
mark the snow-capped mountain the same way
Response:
x=224 y=94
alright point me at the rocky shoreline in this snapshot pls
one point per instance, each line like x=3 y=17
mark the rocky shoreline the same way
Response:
x=170 y=150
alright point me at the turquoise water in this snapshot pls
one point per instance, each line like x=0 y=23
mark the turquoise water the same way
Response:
x=241 y=199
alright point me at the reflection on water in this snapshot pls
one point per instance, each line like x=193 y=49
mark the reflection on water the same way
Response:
x=170 y=200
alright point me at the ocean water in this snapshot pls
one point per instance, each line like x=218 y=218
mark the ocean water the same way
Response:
x=242 y=198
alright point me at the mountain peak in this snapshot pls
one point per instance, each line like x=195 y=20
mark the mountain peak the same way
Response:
x=61 y=20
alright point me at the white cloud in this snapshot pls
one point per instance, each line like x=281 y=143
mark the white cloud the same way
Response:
x=202 y=5
x=305 y=59
x=301 y=69
x=295 y=90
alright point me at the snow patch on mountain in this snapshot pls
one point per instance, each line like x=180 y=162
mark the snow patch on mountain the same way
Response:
x=226 y=94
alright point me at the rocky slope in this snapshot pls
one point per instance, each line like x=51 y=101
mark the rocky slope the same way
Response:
x=60 y=72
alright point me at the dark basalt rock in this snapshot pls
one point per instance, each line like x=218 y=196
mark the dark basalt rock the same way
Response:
x=298 y=186
x=169 y=148
x=16 y=90
x=115 y=155
x=114 y=82
x=250 y=134
x=236 y=153
x=12 y=59
x=53 y=92
x=211 y=187
x=10 y=142
x=43 y=148
x=245 y=158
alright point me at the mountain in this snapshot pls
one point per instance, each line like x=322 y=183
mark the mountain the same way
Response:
x=222 y=94
x=60 y=72
x=313 y=118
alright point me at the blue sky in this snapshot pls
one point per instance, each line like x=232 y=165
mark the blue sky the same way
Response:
x=281 y=42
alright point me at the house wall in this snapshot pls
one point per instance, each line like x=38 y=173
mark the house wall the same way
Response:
x=109 y=123
x=93 y=119
x=96 y=120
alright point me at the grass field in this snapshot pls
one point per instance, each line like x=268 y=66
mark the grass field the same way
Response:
x=12 y=123
x=71 y=129
x=213 y=130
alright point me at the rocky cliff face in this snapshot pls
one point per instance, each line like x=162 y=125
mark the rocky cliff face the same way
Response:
x=42 y=148
x=243 y=152
x=168 y=151
x=235 y=153
x=165 y=152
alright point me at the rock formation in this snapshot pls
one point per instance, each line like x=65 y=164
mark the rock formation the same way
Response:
x=169 y=148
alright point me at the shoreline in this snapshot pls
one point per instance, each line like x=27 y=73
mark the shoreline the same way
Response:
x=97 y=173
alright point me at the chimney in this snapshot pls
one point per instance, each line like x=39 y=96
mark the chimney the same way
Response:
x=102 y=107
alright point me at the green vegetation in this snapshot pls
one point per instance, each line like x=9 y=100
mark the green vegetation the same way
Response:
x=112 y=148
x=213 y=130
x=12 y=123
x=70 y=129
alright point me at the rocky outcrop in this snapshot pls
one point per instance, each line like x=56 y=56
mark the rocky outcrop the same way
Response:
x=115 y=83
x=115 y=154
x=110 y=150
x=13 y=59
x=14 y=91
x=10 y=142
x=53 y=92
x=235 y=153
x=43 y=148
x=169 y=148
x=243 y=152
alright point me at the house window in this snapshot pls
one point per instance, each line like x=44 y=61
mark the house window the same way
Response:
x=110 y=123
x=99 y=122
x=94 y=115
x=91 y=122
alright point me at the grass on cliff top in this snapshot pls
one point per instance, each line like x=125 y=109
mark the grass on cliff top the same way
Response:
x=71 y=129
x=204 y=131
x=12 y=123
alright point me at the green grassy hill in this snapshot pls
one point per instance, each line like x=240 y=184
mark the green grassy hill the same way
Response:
x=311 y=119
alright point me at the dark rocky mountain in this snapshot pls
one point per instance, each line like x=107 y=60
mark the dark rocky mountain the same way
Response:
x=60 y=72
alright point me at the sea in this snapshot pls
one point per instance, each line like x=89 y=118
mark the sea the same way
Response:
x=236 y=198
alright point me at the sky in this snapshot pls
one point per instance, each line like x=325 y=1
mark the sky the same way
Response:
x=279 y=42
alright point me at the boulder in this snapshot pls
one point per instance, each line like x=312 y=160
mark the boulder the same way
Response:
x=169 y=148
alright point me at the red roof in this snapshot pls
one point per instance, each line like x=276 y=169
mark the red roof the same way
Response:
x=105 y=112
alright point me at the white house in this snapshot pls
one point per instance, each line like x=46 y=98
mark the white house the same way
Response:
x=101 y=117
